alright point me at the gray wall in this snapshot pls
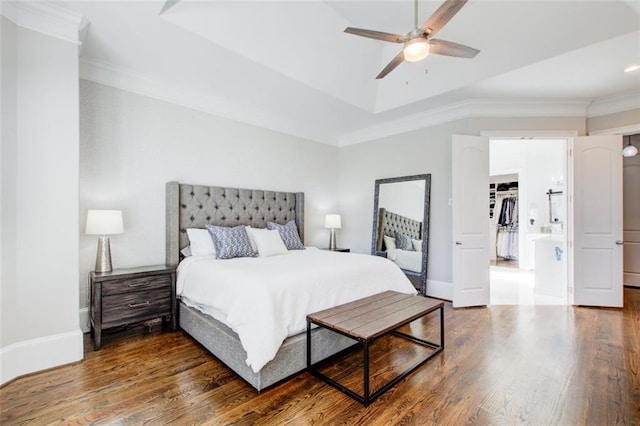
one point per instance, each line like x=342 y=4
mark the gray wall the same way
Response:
x=132 y=144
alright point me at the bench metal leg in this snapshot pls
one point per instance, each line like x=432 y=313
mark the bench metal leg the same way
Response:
x=366 y=372
x=367 y=397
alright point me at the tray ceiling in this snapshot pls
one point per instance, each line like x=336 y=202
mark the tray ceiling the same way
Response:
x=287 y=65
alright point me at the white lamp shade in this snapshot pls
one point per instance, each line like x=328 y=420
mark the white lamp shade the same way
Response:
x=104 y=222
x=332 y=221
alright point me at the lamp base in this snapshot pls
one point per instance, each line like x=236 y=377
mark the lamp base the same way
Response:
x=103 y=257
x=332 y=240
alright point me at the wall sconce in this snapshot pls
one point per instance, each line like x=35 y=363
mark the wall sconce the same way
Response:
x=333 y=222
x=103 y=223
x=629 y=150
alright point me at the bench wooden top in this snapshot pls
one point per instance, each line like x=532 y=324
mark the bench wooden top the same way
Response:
x=375 y=315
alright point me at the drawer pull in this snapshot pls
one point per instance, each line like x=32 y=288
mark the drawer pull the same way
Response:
x=138 y=305
x=139 y=284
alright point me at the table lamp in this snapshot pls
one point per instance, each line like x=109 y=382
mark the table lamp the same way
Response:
x=333 y=222
x=103 y=223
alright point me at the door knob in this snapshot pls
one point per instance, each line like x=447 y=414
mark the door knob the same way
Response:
x=458 y=243
x=619 y=242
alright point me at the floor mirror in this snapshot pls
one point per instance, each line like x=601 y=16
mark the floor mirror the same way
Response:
x=401 y=224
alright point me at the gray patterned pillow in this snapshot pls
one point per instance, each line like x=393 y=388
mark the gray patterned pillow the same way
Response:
x=289 y=234
x=230 y=242
x=404 y=242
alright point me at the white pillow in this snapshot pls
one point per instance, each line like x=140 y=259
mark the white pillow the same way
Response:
x=252 y=242
x=389 y=242
x=268 y=242
x=200 y=242
x=417 y=244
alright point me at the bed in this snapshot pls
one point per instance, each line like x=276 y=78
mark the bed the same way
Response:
x=410 y=260
x=196 y=206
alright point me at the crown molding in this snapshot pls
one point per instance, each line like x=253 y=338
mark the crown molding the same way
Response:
x=46 y=18
x=529 y=134
x=625 y=130
x=614 y=104
x=132 y=81
x=118 y=77
x=468 y=109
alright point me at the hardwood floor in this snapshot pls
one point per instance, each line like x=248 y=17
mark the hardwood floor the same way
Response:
x=501 y=365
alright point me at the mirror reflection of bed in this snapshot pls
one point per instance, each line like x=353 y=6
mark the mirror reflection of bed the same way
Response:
x=401 y=224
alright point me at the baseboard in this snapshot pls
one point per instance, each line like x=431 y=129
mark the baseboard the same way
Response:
x=440 y=289
x=631 y=280
x=39 y=354
x=84 y=320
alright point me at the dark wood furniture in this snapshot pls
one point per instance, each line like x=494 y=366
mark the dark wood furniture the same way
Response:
x=131 y=296
x=341 y=250
x=365 y=320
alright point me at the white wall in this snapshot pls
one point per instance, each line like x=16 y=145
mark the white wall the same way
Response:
x=131 y=145
x=422 y=151
x=39 y=203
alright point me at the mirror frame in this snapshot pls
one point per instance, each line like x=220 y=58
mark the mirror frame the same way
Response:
x=425 y=220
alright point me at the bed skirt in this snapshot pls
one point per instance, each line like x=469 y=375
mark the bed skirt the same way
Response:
x=291 y=358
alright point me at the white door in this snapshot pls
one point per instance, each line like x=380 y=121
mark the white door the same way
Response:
x=597 y=221
x=470 y=203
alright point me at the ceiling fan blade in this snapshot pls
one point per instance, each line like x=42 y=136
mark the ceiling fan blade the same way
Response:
x=442 y=15
x=378 y=35
x=449 y=48
x=391 y=65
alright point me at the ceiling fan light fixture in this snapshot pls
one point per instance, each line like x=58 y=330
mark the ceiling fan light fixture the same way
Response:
x=416 y=49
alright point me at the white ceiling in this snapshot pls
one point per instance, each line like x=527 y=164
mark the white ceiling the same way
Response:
x=288 y=65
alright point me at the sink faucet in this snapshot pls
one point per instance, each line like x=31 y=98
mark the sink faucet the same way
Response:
x=558 y=253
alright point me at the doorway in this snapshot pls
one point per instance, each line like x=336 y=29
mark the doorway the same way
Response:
x=528 y=221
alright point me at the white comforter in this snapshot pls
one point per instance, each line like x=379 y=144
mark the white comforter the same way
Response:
x=266 y=299
x=405 y=259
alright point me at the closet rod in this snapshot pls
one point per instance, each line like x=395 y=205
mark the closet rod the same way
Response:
x=508 y=192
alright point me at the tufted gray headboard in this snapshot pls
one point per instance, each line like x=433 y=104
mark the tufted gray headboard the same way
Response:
x=389 y=223
x=194 y=206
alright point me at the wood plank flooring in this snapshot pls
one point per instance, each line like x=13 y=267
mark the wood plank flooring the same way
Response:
x=540 y=365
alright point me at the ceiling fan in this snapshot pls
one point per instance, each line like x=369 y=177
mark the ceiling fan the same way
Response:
x=418 y=43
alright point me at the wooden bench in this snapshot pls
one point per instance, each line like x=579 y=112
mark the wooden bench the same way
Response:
x=366 y=319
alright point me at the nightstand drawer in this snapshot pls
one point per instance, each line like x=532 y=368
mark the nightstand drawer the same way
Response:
x=136 y=284
x=128 y=297
x=134 y=307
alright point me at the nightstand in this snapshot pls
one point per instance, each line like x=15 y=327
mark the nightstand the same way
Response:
x=130 y=296
x=341 y=250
